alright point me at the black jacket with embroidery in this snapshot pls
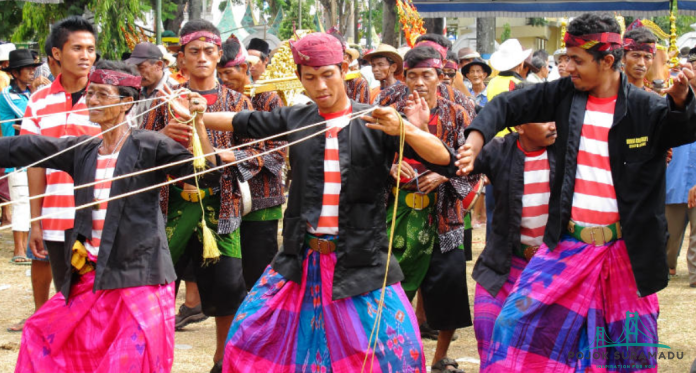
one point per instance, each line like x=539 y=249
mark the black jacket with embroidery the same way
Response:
x=503 y=163
x=365 y=157
x=645 y=126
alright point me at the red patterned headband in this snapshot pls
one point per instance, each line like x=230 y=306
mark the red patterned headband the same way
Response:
x=439 y=48
x=240 y=59
x=607 y=41
x=116 y=78
x=430 y=62
x=450 y=65
x=205 y=36
x=631 y=45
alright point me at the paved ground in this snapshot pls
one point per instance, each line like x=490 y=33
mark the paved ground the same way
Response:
x=195 y=345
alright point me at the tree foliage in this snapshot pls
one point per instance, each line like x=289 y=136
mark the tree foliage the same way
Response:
x=506 y=32
x=290 y=9
x=683 y=24
x=10 y=18
x=109 y=17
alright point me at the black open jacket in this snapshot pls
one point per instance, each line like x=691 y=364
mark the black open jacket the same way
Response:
x=638 y=172
x=503 y=162
x=133 y=250
x=365 y=157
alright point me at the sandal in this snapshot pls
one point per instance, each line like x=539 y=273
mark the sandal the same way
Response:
x=446 y=365
x=217 y=368
x=17 y=328
x=20 y=260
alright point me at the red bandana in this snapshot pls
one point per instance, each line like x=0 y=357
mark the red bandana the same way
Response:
x=316 y=50
x=241 y=55
x=631 y=45
x=205 y=36
x=430 y=62
x=450 y=65
x=607 y=41
x=115 y=78
x=439 y=48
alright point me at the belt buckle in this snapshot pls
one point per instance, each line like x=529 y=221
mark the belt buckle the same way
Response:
x=421 y=202
x=192 y=196
x=530 y=251
x=324 y=246
x=597 y=236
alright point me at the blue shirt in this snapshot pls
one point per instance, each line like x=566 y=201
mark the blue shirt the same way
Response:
x=13 y=102
x=482 y=98
x=681 y=174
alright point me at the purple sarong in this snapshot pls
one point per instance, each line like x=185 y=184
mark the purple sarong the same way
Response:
x=487 y=308
x=285 y=327
x=576 y=308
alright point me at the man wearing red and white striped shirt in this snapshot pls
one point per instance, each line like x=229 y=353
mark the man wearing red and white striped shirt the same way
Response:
x=603 y=257
x=520 y=169
x=54 y=111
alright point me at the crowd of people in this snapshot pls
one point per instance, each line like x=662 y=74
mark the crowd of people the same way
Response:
x=128 y=177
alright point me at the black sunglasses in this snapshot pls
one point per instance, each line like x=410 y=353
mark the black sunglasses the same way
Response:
x=451 y=75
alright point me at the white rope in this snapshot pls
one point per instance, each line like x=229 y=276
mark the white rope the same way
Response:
x=91 y=108
x=88 y=139
x=183 y=178
x=136 y=173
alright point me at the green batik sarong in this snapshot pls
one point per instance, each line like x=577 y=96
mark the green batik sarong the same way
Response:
x=414 y=235
x=184 y=219
x=271 y=213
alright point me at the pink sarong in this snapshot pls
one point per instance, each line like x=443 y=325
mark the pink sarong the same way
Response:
x=121 y=330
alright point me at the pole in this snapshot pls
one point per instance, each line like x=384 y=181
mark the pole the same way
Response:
x=369 y=24
x=299 y=4
x=158 y=22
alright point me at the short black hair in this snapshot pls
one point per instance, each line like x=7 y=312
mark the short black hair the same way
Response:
x=122 y=67
x=591 y=23
x=451 y=56
x=48 y=47
x=197 y=25
x=439 y=39
x=421 y=53
x=230 y=50
x=541 y=53
x=60 y=32
x=641 y=35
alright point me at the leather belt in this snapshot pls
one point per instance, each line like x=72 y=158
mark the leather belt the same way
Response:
x=597 y=236
x=526 y=252
x=196 y=195
x=321 y=245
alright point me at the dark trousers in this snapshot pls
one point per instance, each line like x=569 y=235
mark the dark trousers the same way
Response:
x=259 y=246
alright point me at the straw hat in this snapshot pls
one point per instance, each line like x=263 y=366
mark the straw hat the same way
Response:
x=386 y=50
x=509 y=55
x=354 y=54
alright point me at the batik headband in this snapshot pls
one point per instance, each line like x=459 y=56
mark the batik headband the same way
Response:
x=205 y=36
x=115 y=78
x=439 y=48
x=631 y=45
x=430 y=62
x=450 y=65
x=607 y=41
x=241 y=57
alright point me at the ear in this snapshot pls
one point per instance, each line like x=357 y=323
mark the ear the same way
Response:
x=608 y=61
x=125 y=108
x=441 y=77
x=245 y=68
x=344 y=68
x=392 y=68
x=56 y=53
x=520 y=129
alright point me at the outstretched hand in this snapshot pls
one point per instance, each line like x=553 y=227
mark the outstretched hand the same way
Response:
x=417 y=111
x=385 y=119
x=679 y=90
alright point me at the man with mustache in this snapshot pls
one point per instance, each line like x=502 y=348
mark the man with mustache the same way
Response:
x=603 y=257
x=640 y=46
x=520 y=167
x=220 y=282
x=429 y=231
